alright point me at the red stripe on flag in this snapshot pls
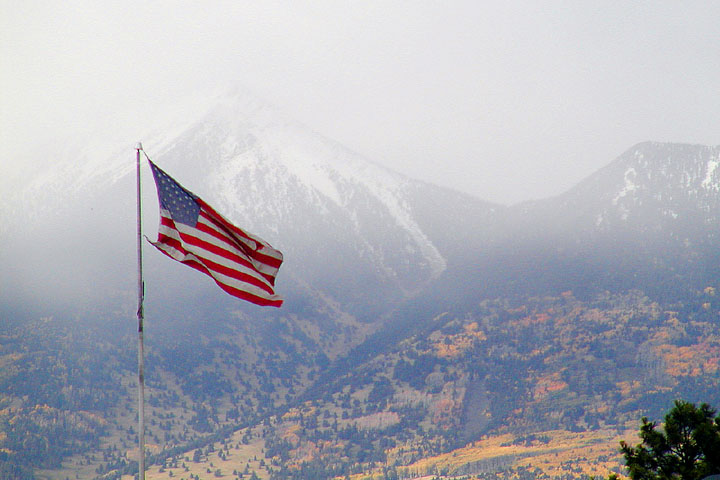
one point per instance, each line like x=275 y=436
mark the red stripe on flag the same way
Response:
x=229 y=254
x=260 y=260
x=221 y=252
x=233 y=231
x=235 y=292
x=241 y=264
x=200 y=243
x=202 y=247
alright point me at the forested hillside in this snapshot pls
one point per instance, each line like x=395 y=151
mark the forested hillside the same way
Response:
x=499 y=386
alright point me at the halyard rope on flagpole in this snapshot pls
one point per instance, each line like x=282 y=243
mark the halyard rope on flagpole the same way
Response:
x=140 y=317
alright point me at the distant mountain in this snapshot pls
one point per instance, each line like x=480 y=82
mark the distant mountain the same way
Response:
x=652 y=187
x=655 y=209
x=417 y=319
x=356 y=236
x=649 y=220
x=361 y=240
x=346 y=225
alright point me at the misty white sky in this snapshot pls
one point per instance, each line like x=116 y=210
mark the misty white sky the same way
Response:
x=505 y=100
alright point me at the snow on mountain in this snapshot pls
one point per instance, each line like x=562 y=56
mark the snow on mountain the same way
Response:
x=92 y=162
x=358 y=239
x=301 y=190
x=648 y=220
x=649 y=187
x=662 y=180
x=348 y=227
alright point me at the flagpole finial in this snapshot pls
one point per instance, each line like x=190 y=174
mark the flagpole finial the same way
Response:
x=138 y=146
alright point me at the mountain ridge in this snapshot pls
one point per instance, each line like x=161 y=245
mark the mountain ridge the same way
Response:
x=310 y=196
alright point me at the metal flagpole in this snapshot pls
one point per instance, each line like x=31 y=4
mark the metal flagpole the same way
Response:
x=140 y=316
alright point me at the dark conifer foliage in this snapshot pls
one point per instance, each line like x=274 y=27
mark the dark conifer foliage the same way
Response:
x=687 y=446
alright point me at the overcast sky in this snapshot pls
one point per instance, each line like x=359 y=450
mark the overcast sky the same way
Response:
x=505 y=100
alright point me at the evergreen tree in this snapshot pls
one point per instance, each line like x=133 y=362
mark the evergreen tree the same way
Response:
x=688 y=449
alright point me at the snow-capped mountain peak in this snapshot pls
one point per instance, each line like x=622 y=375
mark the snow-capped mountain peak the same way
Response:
x=263 y=168
x=349 y=228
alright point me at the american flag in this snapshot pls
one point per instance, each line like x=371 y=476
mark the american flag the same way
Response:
x=193 y=233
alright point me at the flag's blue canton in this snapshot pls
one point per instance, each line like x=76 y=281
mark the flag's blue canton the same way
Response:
x=179 y=202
